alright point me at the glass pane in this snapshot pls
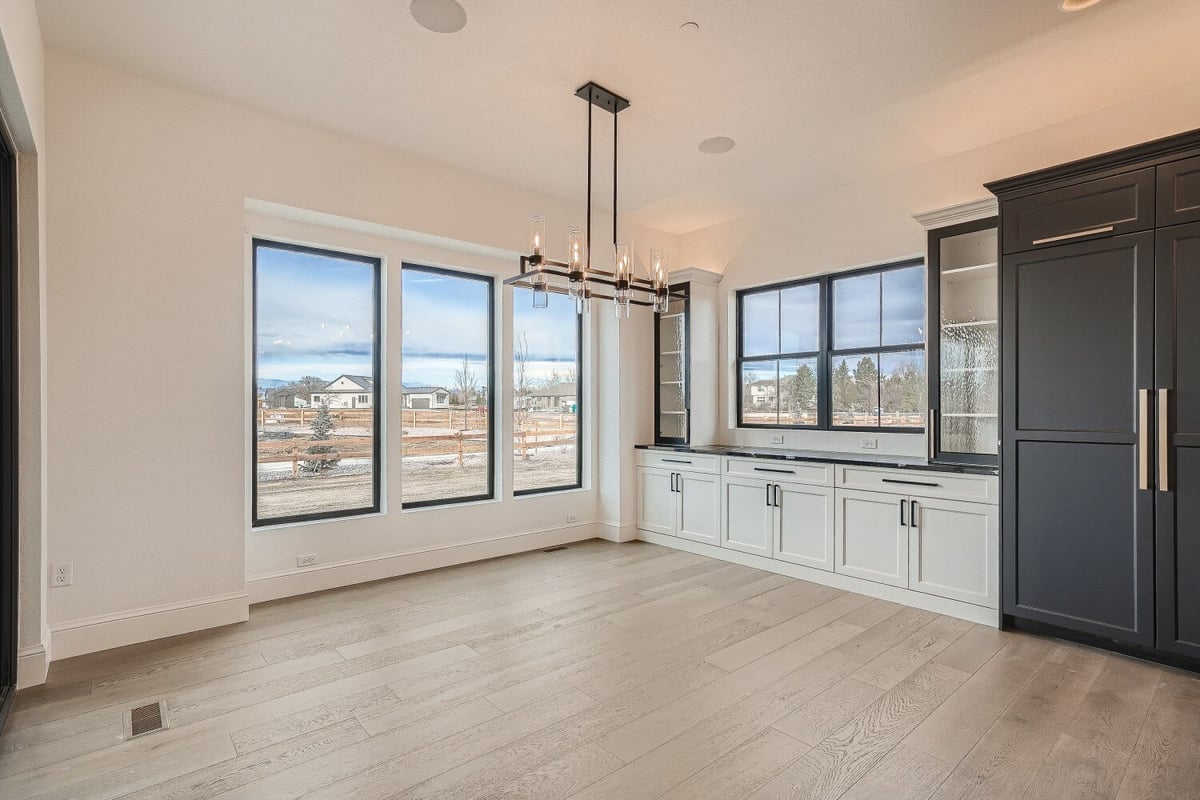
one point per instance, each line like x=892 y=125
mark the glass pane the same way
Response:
x=856 y=390
x=671 y=398
x=969 y=435
x=760 y=324
x=545 y=398
x=904 y=306
x=798 y=391
x=672 y=426
x=315 y=315
x=446 y=371
x=800 y=319
x=969 y=396
x=760 y=393
x=856 y=311
x=902 y=389
x=670 y=332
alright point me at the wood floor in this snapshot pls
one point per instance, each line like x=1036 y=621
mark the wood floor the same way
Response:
x=607 y=672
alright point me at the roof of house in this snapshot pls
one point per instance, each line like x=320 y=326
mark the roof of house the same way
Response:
x=423 y=389
x=364 y=382
x=763 y=383
x=565 y=389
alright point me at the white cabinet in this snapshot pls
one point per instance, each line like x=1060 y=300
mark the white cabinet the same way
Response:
x=680 y=504
x=748 y=523
x=872 y=539
x=954 y=550
x=657 y=501
x=804 y=525
x=699 y=506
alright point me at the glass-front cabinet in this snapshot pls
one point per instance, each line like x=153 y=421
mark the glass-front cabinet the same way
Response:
x=964 y=343
x=671 y=378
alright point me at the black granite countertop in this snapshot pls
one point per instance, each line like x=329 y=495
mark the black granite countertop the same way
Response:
x=824 y=456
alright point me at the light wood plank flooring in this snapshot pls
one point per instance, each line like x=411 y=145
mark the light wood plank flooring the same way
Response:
x=607 y=671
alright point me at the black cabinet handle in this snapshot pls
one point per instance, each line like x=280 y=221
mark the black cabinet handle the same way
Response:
x=903 y=503
x=780 y=471
x=913 y=519
x=778 y=497
x=768 y=487
x=673 y=477
x=909 y=483
x=675 y=461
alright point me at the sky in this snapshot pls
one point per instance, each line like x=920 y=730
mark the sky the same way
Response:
x=315 y=317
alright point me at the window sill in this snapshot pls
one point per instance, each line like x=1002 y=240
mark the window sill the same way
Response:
x=267 y=527
x=449 y=504
x=550 y=492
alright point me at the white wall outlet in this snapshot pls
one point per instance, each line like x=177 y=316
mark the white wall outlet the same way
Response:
x=776 y=438
x=306 y=560
x=62 y=574
x=572 y=518
x=870 y=444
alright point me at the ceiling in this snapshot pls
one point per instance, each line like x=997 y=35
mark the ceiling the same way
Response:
x=818 y=94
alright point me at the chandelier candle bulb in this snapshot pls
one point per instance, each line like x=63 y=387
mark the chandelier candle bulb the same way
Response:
x=622 y=270
x=537 y=238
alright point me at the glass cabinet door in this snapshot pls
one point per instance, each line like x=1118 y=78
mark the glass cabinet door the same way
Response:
x=965 y=408
x=671 y=371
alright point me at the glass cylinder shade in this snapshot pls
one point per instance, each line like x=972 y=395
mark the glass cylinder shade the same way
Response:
x=658 y=276
x=537 y=238
x=622 y=274
x=576 y=265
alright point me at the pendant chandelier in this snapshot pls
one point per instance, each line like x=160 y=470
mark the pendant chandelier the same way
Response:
x=576 y=277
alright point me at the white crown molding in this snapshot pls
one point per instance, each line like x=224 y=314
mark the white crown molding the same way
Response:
x=963 y=212
x=695 y=275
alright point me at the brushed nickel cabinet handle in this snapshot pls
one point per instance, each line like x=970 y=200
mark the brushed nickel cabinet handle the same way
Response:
x=1143 y=443
x=931 y=432
x=1164 y=440
x=1078 y=234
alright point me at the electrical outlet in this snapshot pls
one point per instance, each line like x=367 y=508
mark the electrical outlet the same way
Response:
x=870 y=444
x=306 y=560
x=777 y=438
x=62 y=574
x=572 y=518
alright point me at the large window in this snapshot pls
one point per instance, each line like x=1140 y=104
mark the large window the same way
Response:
x=837 y=352
x=547 y=396
x=447 y=421
x=316 y=394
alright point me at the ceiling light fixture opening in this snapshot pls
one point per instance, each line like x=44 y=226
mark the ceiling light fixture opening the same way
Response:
x=439 y=16
x=717 y=145
x=1068 y=6
x=689 y=27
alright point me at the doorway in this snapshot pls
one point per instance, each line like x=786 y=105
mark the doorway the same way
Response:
x=8 y=429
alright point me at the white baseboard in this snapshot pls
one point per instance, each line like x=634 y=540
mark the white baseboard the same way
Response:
x=93 y=634
x=31 y=666
x=274 y=586
x=907 y=597
x=612 y=532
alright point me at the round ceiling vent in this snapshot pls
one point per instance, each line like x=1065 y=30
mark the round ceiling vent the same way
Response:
x=689 y=27
x=717 y=145
x=1076 y=5
x=439 y=16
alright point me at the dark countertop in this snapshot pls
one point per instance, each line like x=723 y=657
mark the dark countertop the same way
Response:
x=823 y=456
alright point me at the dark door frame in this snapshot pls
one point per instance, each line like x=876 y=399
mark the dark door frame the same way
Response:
x=9 y=574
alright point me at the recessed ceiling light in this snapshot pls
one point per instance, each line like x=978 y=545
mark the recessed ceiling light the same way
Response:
x=689 y=27
x=1076 y=5
x=439 y=16
x=716 y=145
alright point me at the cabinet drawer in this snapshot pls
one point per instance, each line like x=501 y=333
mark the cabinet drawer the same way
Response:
x=973 y=488
x=799 y=472
x=678 y=461
x=1104 y=207
x=1179 y=192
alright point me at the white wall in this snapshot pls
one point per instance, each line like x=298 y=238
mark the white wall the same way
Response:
x=147 y=207
x=22 y=104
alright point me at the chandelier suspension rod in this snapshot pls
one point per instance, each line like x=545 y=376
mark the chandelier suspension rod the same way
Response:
x=588 y=225
x=614 y=219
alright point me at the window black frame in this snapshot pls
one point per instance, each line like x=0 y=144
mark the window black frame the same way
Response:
x=9 y=431
x=490 y=282
x=675 y=290
x=825 y=353
x=580 y=419
x=377 y=363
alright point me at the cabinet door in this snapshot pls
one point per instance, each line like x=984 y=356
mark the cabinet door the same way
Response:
x=1078 y=526
x=954 y=550
x=872 y=541
x=657 y=502
x=699 y=507
x=1104 y=207
x=804 y=528
x=1177 y=368
x=1179 y=192
x=748 y=518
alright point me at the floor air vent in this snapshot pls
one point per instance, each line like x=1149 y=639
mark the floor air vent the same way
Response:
x=555 y=549
x=145 y=719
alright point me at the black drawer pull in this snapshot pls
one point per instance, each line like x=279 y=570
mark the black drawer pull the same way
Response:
x=770 y=469
x=909 y=483
x=675 y=461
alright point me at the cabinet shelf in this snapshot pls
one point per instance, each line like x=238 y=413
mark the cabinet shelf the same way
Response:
x=969 y=369
x=972 y=268
x=670 y=352
x=975 y=324
x=969 y=416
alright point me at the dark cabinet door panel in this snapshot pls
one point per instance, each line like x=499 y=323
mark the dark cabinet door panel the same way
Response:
x=1177 y=374
x=1179 y=192
x=1104 y=207
x=1083 y=557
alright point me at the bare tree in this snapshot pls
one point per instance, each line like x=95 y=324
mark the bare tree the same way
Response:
x=522 y=388
x=466 y=387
